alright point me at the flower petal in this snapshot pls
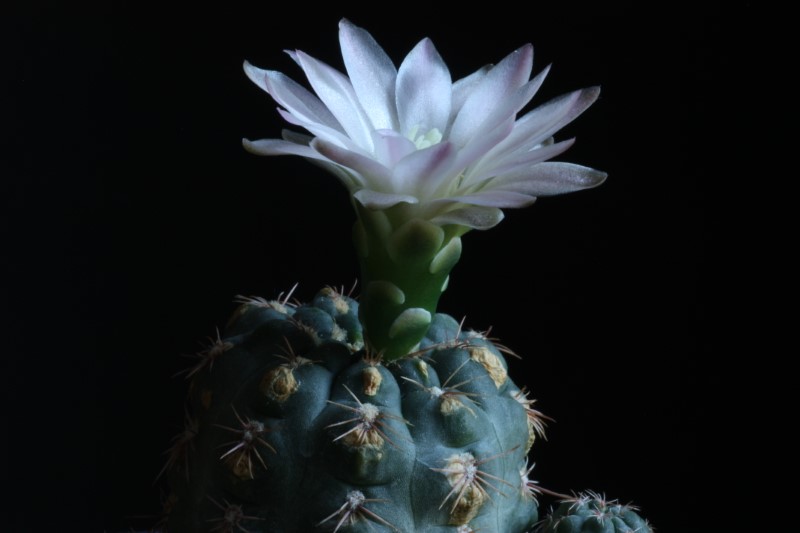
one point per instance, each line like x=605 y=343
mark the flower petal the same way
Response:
x=380 y=200
x=463 y=88
x=371 y=72
x=491 y=92
x=423 y=170
x=519 y=160
x=480 y=145
x=376 y=175
x=323 y=132
x=294 y=97
x=540 y=123
x=550 y=178
x=495 y=198
x=391 y=147
x=279 y=147
x=471 y=216
x=335 y=90
x=424 y=90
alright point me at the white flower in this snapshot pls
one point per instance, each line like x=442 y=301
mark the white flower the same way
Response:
x=453 y=152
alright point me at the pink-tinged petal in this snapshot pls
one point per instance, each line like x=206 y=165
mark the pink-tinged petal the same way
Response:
x=480 y=145
x=424 y=90
x=279 y=147
x=517 y=137
x=508 y=110
x=371 y=72
x=545 y=179
x=391 y=147
x=463 y=88
x=472 y=216
x=518 y=160
x=421 y=171
x=540 y=123
x=323 y=132
x=500 y=82
x=380 y=200
x=377 y=175
x=292 y=96
x=335 y=90
x=495 y=198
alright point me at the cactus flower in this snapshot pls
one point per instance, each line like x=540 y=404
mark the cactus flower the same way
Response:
x=425 y=160
x=454 y=152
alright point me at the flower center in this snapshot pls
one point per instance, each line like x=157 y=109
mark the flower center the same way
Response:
x=424 y=140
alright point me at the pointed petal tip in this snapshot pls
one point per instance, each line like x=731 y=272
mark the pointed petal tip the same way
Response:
x=247 y=144
x=591 y=93
x=596 y=178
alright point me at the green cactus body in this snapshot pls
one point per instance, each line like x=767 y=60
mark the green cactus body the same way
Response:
x=295 y=428
x=590 y=513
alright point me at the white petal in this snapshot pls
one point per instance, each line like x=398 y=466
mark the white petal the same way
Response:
x=542 y=122
x=335 y=90
x=480 y=145
x=472 y=216
x=292 y=96
x=279 y=147
x=372 y=73
x=496 y=198
x=519 y=160
x=422 y=170
x=376 y=175
x=505 y=113
x=550 y=178
x=391 y=147
x=463 y=88
x=379 y=200
x=424 y=90
x=499 y=83
x=518 y=135
x=323 y=132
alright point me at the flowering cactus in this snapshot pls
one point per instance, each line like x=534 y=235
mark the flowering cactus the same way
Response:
x=425 y=159
x=382 y=414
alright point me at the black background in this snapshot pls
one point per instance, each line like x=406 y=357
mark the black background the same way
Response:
x=132 y=216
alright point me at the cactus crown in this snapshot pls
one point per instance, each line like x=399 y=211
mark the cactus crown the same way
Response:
x=425 y=159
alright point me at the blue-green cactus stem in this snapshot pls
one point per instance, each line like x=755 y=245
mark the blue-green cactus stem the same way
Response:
x=592 y=513
x=295 y=428
x=405 y=267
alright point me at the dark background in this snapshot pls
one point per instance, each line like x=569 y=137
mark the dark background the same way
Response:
x=132 y=216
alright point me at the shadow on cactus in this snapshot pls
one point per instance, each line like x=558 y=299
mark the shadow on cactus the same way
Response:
x=378 y=413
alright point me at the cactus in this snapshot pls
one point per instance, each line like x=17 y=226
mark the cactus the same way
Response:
x=382 y=414
x=302 y=428
x=590 y=512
